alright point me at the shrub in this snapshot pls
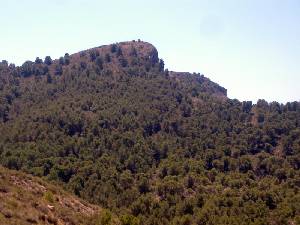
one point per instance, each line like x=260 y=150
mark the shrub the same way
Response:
x=49 y=197
x=129 y=220
x=58 y=70
x=113 y=48
x=38 y=60
x=48 y=60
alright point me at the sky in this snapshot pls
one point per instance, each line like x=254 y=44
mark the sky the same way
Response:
x=250 y=47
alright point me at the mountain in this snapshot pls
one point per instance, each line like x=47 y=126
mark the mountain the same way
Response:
x=113 y=126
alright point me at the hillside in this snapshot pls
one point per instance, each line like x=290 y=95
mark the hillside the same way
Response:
x=29 y=200
x=113 y=126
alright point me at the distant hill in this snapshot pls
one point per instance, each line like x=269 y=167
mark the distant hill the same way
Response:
x=113 y=126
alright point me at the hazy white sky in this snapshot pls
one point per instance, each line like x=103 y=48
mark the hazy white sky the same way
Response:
x=251 y=47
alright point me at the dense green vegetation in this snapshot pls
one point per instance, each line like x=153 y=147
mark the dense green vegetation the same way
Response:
x=155 y=147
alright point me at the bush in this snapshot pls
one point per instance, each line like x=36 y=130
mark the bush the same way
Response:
x=83 y=65
x=38 y=60
x=49 y=197
x=113 y=48
x=58 y=70
x=107 y=58
x=93 y=54
x=103 y=218
x=129 y=220
x=99 y=62
x=48 y=60
x=61 y=61
x=67 y=59
x=27 y=69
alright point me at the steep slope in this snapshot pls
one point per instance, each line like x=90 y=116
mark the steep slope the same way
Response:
x=111 y=125
x=28 y=200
